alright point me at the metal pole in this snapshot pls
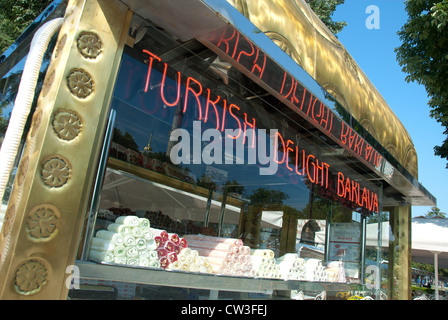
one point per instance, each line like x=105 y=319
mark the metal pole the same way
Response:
x=207 y=209
x=223 y=210
x=363 y=248
x=436 y=272
x=379 y=256
x=93 y=212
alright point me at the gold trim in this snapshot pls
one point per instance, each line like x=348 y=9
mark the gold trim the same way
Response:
x=22 y=171
x=400 y=272
x=60 y=46
x=49 y=79
x=48 y=204
x=300 y=33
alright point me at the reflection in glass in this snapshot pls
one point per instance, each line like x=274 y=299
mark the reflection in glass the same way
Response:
x=209 y=158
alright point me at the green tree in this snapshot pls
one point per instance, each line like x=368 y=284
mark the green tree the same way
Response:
x=443 y=272
x=435 y=212
x=324 y=10
x=423 y=55
x=16 y=16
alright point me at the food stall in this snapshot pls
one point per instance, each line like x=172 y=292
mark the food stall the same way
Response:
x=201 y=158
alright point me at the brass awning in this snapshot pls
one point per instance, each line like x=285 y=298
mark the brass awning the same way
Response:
x=293 y=36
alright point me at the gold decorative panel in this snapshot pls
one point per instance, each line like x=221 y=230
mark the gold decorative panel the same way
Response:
x=399 y=270
x=49 y=201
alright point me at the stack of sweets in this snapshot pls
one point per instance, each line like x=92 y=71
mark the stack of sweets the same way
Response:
x=128 y=240
x=291 y=267
x=226 y=255
x=336 y=272
x=264 y=264
x=190 y=260
x=169 y=246
x=315 y=271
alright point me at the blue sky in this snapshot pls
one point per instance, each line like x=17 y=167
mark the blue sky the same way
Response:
x=373 y=50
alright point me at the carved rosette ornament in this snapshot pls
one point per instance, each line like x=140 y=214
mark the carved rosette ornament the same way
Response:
x=37 y=119
x=31 y=277
x=48 y=82
x=9 y=219
x=60 y=46
x=42 y=222
x=80 y=83
x=55 y=172
x=67 y=125
x=89 y=45
x=22 y=171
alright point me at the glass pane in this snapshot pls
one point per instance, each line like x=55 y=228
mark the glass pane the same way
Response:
x=217 y=165
x=377 y=243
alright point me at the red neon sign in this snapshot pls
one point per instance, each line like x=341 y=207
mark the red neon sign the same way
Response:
x=295 y=160
x=351 y=190
x=243 y=51
x=279 y=82
x=162 y=91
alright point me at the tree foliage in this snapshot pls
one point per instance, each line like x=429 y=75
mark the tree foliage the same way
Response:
x=423 y=55
x=443 y=272
x=263 y=196
x=324 y=10
x=435 y=212
x=15 y=16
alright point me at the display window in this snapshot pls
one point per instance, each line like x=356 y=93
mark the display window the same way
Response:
x=207 y=175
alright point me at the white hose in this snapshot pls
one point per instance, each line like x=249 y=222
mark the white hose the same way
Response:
x=24 y=99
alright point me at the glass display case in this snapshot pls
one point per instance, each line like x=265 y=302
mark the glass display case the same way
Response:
x=210 y=187
x=202 y=157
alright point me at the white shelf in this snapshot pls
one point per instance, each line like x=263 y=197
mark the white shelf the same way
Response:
x=180 y=279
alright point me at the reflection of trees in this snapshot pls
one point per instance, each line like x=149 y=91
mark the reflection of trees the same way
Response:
x=205 y=182
x=125 y=139
x=9 y=88
x=234 y=187
x=268 y=198
x=3 y=122
x=161 y=156
x=319 y=207
x=261 y=199
x=375 y=218
x=231 y=186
